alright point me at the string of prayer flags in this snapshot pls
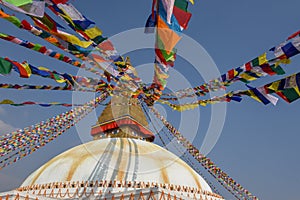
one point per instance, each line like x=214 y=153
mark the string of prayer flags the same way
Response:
x=28 y=140
x=47 y=24
x=252 y=70
x=12 y=103
x=46 y=87
x=287 y=88
x=260 y=94
x=211 y=167
x=12 y=19
x=49 y=52
x=248 y=72
x=287 y=49
x=41 y=49
x=108 y=53
x=171 y=17
x=25 y=70
x=25 y=25
x=77 y=21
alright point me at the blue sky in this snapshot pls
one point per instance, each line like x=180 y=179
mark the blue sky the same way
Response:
x=259 y=144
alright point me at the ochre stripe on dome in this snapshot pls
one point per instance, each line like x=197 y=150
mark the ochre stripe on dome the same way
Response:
x=151 y=164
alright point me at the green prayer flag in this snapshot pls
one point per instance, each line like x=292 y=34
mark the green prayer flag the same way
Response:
x=182 y=4
x=291 y=94
x=5 y=66
x=37 y=47
x=255 y=62
x=18 y=2
x=278 y=70
x=167 y=56
x=14 y=20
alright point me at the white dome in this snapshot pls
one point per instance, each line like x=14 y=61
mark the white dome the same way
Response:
x=119 y=159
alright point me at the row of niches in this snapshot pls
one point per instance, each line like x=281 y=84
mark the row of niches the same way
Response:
x=116 y=184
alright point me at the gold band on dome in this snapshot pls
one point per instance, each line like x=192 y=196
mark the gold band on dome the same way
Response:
x=41 y=189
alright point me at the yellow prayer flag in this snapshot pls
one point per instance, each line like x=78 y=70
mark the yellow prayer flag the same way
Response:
x=262 y=59
x=93 y=32
x=27 y=68
x=73 y=39
x=61 y=80
x=284 y=61
x=44 y=69
x=247 y=77
x=274 y=86
x=202 y=103
x=7 y=101
x=253 y=95
x=126 y=77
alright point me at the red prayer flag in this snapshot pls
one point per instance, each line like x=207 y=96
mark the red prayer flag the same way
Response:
x=182 y=17
x=294 y=35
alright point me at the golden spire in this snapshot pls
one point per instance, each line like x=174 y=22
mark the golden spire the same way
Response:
x=121 y=118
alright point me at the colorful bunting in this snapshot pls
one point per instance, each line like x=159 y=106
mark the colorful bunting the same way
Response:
x=12 y=103
x=287 y=88
x=252 y=70
x=171 y=18
x=46 y=87
x=211 y=167
x=28 y=140
x=41 y=49
x=24 y=69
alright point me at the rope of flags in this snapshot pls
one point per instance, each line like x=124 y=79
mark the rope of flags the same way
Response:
x=106 y=57
x=25 y=25
x=30 y=139
x=78 y=52
x=170 y=138
x=41 y=49
x=169 y=18
x=206 y=162
x=104 y=50
x=26 y=70
x=252 y=70
x=287 y=88
x=12 y=103
x=42 y=87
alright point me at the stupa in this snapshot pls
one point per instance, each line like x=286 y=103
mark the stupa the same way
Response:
x=122 y=162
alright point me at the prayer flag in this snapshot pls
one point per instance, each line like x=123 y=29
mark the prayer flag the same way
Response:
x=18 y=2
x=5 y=66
